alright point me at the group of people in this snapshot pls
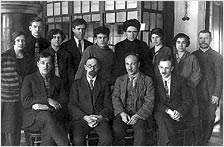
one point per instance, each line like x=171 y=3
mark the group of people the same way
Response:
x=73 y=87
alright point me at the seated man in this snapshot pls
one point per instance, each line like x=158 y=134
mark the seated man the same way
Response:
x=90 y=106
x=172 y=102
x=43 y=100
x=133 y=102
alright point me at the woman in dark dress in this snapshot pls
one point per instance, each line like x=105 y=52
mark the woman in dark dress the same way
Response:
x=14 y=67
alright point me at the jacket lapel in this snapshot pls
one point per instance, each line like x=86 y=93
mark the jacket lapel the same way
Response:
x=124 y=89
x=161 y=89
x=96 y=90
x=40 y=83
x=86 y=90
x=173 y=85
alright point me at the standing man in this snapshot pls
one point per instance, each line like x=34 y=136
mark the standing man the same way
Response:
x=76 y=45
x=35 y=43
x=90 y=106
x=133 y=102
x=132 y=45
x=210 y=87
x=172 y=102
x=44 y=102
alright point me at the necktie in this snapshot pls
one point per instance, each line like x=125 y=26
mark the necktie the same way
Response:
x=36 y=50
x=56 y=65
x=47 y=85
x=80 y=47
x=91 y=84
x=130 y=84
x=154 y=57
x=166 y=89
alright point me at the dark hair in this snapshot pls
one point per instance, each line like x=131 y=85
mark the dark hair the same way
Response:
x=158 y=32
x=91 y=57
x=77 y=22
x=167 y=58
x=44 y=55
x=132 y=54
x=101 y=29
x=54 y=32
x=35 y=19
x=16 y=34
x=131 y=22
x=206 y=31
x=181 y=35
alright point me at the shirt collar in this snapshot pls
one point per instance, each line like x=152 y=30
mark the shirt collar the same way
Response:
x=88 y=79
x=204 y=50
x=77 y=41
x=133 y=76
x=167 y=79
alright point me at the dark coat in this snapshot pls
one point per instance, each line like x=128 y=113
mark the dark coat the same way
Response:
x=144 y=95
x=180 y=98
x=64 y=65
x=80 y=102
x=211 y=84
x=71 y=47
x=33 y=92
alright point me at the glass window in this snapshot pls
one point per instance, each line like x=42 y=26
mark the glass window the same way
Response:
x=121 y=16
x=131 y=4
x=50 y=9
x=160 y=5
x=120 y=4
x=58 y=26
x=110 y=17
x=159 y=21
x=77 y=7
x=94 y=6
x=147 y=4
x=133 y=15
x=57 y=10
x=154 y=5
x=50 y=20
x=85 y=6
x=77 y=16
x=64 y=7
x=152 y=20
x=95 y=17
x=65 y=19
x=87 y=18
x=109 y=5
x=146 y=20
x=57 y=19
x=50 y=26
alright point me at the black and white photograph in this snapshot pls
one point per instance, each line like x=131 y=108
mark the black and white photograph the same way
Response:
x=111 y=73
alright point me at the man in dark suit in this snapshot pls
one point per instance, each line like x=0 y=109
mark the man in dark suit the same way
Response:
x=34 y=42
x=133 y=102
x=76 y=45
x=44 y=103
x=172 y=102
x=210 y=87
x=90 y=105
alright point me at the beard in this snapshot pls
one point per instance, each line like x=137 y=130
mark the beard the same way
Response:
x=92 y=73
x=204 y=45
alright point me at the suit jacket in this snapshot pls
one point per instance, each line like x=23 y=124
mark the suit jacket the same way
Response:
x=33 y=92
x=144 y=96
x=64 y=64
x=71 y=47
x=80 y=101
x=180 y=98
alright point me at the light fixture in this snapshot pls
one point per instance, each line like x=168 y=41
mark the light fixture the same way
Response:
x=185 y=14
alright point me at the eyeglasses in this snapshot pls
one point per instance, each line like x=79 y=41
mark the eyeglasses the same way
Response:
x=94 y=66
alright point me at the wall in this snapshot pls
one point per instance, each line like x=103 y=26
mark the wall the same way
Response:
x=196 y=13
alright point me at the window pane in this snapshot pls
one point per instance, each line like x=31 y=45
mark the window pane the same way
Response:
x=57 y=19
x=133 y=15
x=77 y=7
x=95 y=17
x=57 y=10
x=152 y=20
x=49 y=20
x=120 y=4
x=109 y=5
x=154 y=5
x=50 y=9
x=159 y=21
x=50 y=26
x=94 y=6
x=77 y=16
x=146 y=20
x=58 y=26
x=160 y=5
x=64 y=7
x=85 y=6
x=65 y=19
x=110 y=17
x=121 y=16
x=131 y=4
x=87 y=18
x=147 y=4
